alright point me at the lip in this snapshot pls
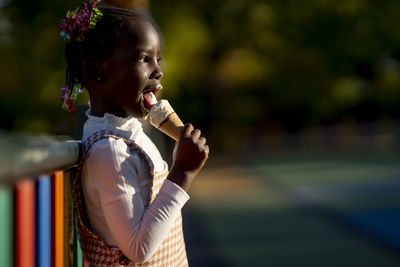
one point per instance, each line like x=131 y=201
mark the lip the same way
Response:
x=153 y=88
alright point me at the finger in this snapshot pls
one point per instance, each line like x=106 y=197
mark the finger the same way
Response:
x=202 y=141
x=206 y=149
x=187 y=130
x=196 y=134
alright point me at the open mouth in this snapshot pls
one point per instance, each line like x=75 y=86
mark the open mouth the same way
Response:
x=149 y=98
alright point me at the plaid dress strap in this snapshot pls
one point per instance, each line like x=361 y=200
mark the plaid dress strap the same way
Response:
x=93 y=248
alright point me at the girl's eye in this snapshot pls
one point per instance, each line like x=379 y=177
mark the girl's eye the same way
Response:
x=144 y=59
x=147 y=59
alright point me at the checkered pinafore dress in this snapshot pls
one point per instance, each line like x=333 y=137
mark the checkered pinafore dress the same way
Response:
x=172 y=251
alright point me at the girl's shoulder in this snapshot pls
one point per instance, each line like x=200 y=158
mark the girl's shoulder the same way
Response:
x=114 y=155
x=118 y=152
x=108 y=147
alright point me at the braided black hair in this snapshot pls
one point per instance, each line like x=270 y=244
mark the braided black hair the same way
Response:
x=98 y=43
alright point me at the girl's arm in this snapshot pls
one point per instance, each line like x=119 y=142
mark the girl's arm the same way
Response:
x=114 y=175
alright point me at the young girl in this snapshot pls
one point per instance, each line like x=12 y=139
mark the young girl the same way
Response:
x=131 y=213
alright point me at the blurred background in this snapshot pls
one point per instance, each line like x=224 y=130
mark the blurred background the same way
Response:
x=299 y=101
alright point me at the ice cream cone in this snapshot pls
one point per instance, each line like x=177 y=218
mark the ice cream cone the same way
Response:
x=172 y=126
x=163 y=117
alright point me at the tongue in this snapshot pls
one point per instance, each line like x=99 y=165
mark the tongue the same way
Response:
x=150 y=99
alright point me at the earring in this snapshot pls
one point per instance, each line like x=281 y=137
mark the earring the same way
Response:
x=100 y=78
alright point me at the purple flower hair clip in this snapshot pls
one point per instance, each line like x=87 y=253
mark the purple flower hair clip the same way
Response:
x=78 y=22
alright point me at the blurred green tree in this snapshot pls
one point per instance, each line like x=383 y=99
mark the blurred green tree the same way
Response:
x=233 y=68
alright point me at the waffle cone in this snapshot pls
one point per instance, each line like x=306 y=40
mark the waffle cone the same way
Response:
x=172 y=126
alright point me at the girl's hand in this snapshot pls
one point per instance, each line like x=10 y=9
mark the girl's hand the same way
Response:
x=190 y=154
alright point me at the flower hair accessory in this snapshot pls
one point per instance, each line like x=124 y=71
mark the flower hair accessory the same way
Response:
x=78 y=22
x=68 y=97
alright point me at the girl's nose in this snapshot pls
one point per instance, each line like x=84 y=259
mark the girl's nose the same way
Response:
x=157 y=73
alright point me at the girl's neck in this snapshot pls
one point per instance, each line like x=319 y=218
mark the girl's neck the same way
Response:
x=99 y=109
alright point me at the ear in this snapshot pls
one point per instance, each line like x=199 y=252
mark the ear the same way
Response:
x=93 y=69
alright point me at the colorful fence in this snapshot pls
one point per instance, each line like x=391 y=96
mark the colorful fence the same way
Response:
x=36 y=214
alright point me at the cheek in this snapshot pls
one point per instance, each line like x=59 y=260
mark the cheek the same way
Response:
x=144 y=75
x=141 y=76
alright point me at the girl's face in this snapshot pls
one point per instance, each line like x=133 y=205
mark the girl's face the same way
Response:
x=132 y=69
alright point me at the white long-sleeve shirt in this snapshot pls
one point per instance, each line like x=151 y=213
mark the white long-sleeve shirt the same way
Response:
x=116 y=188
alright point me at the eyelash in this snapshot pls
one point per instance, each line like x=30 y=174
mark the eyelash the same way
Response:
x=146 y=59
